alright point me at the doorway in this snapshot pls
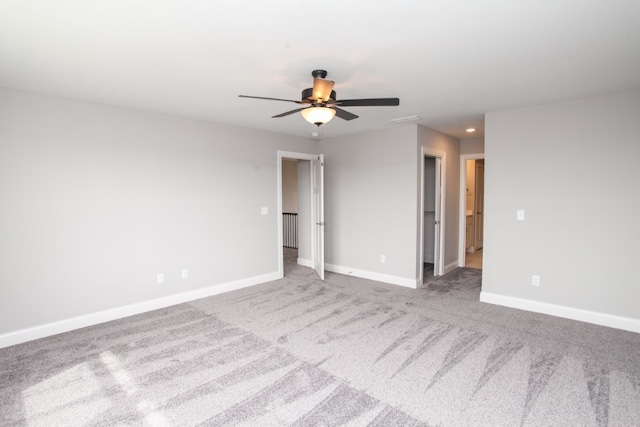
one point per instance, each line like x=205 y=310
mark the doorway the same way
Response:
x=309 y=199
x=471 y=243
x=294 y=212
x=431 y=228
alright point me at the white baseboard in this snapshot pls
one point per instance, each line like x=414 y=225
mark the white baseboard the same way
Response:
x=603 y=319
x=66 y=325
x=305 y=262
x=378 y=277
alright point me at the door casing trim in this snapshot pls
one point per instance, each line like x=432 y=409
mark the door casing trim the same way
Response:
x=429 y=152
x=280 y=156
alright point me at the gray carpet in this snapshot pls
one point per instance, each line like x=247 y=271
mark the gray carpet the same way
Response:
x=346 y=351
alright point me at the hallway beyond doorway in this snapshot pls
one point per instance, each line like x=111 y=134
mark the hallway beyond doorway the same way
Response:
x=473 y=259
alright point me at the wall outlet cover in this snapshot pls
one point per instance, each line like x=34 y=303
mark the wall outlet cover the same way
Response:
x=535 y=280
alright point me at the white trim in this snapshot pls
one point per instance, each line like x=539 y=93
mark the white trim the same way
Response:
x=378 y=277
x=317 y=215
x=286 y=155
x=305 y=262
x=66 y=325
x=462 y=221
x=603 y=319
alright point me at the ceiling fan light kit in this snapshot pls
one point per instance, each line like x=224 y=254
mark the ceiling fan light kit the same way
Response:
x=318 y=115
x=321 y=103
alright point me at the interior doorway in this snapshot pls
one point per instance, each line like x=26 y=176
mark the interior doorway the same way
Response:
x=431 y=229
x=472 y=167
x=293 y=209
x=308 y=199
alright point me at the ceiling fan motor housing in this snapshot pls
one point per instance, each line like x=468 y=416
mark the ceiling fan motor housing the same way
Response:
x=319 y=73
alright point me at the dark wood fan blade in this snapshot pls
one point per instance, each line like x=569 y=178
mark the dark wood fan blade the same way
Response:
x=372 y=102
x=322 y=89
x=289 y=112
x=345 y=115
x=271 y=99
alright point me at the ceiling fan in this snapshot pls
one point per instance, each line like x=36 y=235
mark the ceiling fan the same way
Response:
x=321 y=105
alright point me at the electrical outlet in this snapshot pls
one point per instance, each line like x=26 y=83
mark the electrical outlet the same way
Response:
x=383 y=259
x=535 y=280
x=160 y=278
x=185 y=273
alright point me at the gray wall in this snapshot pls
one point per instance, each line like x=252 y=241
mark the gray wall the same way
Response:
x=371 y=202
x=372 y=199
x=97 y=200
x=573 y=168
x=471 y=145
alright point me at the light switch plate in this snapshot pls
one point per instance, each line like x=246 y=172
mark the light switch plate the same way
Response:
x=265 y=210
x=520 y=214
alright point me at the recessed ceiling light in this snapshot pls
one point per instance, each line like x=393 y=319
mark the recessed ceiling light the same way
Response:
x=471 y=130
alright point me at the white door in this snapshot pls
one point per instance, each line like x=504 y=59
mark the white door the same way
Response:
x=437 y=264
x=479 y=216
x=317 y=212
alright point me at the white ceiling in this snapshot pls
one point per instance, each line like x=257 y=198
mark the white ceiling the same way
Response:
x=449 y=61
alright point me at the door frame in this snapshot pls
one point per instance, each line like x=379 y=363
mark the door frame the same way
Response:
x=298 y=156
x=462 y=221
x=438 y=265
x=317 y=215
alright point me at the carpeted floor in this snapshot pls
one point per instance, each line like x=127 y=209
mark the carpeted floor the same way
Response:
x=346 y=351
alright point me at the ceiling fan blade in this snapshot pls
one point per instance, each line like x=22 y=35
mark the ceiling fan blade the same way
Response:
x=322 y=89
x=271 y=99
x=372 y=102
x=345 y=115
x=289 y=112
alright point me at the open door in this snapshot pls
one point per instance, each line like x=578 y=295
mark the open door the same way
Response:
x=438 y=263
x=317 y=212
x=431 y=221
x=479 y=205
